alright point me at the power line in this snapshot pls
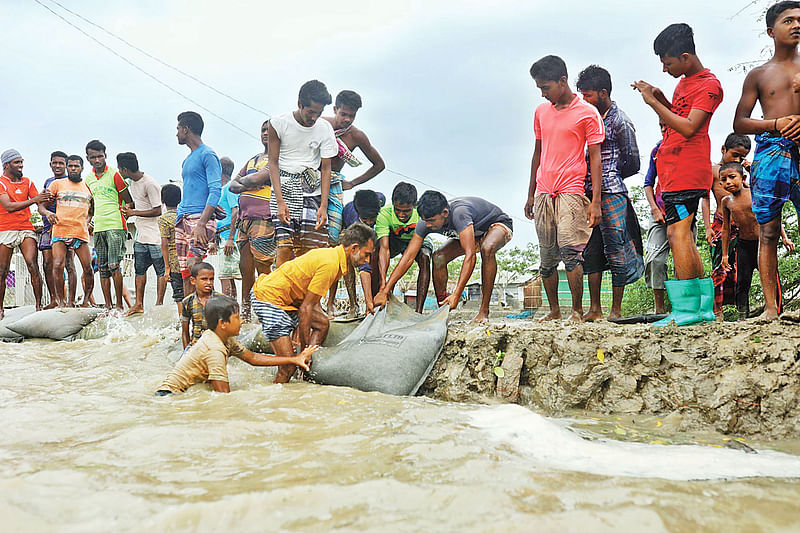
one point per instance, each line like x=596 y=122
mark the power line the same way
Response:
x=195 y=79
x=137 y=67
x=156 y=59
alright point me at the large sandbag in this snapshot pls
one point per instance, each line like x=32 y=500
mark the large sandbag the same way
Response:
x=391 y=351
x=253 y=338
x=11 y=316
x=56 y=324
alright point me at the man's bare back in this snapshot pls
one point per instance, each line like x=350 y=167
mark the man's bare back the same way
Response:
x=740 y=207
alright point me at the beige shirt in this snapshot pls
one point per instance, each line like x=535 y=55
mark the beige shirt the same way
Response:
x=207 y=360
x=146 y=194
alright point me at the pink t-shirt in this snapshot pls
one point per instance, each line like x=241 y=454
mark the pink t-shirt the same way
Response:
x=564 y=134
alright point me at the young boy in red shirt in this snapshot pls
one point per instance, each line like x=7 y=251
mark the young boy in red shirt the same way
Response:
x=564 y=216
x=684 y=159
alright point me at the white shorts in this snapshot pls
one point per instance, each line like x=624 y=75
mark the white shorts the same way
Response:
x=13 y=238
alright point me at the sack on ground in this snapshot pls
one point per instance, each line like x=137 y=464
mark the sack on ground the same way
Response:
x=391 y=351
x=56 y=324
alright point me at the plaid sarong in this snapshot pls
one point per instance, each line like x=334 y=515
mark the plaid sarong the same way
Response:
x=724 y=282
x=292 y=192
x=309 y=237
x=774 y=176
x=260 y=234
x=612 y=245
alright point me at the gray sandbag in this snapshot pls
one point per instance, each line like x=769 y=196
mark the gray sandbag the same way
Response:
x=11 y=316
x=56 y=324
x=391 y=351
x=253 y=338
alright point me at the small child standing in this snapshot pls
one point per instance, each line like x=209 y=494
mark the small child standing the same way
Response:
x=737 y=207
x=171 y=197
x=202 y=279
x=208 y=359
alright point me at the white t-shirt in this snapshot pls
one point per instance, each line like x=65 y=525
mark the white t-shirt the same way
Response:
x=303 y=147
x=146 y=194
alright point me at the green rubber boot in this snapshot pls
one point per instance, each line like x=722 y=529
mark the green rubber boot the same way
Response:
x=684 y=295
x=707 y=299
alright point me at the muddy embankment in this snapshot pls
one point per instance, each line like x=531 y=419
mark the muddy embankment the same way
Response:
x=735 y=378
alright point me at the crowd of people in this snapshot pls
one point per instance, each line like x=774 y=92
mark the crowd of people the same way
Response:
x=283 y=228
x=585 y=148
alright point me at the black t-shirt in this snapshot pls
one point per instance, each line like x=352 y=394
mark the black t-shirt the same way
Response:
x=468 y=210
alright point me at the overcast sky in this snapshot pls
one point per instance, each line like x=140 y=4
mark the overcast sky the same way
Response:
x=447 y=95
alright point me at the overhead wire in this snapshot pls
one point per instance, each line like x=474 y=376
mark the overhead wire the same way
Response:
x=197 y=80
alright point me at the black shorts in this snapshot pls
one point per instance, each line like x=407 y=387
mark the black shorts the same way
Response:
x=681 y=204
x=176 y=280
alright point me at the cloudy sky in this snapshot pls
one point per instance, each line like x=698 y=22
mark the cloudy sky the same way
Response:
x=447 y=95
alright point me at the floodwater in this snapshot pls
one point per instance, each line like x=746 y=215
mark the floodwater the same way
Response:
x=86 y=446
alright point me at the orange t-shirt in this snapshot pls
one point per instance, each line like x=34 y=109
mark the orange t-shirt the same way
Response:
x=17 y=191
x=72 y=209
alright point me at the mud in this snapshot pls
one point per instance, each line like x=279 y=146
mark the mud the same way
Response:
x=733 y=378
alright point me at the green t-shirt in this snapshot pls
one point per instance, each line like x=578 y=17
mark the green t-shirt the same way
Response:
x=105 y=192
x=387 y=224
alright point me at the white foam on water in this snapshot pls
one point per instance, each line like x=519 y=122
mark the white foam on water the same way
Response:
x=547 y=442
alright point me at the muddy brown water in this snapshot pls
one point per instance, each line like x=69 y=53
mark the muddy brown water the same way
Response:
x=85 y=446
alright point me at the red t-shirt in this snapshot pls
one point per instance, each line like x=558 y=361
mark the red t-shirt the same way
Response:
x=682 y=163
x=17 y=191
x=564 y=134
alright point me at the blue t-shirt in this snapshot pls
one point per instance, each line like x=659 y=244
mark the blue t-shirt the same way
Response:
x=349 y=214
x=51 y=207
x=227 y=201
x=202 y=181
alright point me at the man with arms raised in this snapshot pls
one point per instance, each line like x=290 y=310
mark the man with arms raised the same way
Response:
x=472 y=224
x=774 y=173
x=289 y=298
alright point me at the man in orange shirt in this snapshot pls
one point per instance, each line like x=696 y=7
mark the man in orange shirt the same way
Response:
x=70 y=228
x=17 y=195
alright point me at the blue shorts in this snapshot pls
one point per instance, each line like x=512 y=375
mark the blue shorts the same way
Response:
x=70 y=242
x=145 y=255
x=275 y=322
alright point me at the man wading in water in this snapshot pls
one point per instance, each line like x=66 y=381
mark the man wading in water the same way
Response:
x=774 y=173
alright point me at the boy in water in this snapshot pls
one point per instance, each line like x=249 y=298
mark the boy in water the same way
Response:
x=737 y=208
x=775 y=164
x=684 y=169
x=395 y=228
x=170 y=197
x=472 y=224
x=735 y=149
x=202 y=280
x=208 y=359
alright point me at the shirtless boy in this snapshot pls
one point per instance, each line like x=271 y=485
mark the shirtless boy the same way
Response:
x=737 y=208
x=775 y=165
x=735 y=149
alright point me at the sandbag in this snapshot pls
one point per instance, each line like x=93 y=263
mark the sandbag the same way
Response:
x=391 y=351
x=253 y=338
x=11 y=316
x=56 y=324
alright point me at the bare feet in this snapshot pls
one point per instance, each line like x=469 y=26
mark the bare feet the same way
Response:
x=482 y=316
x=768 y=316
x=86 y=304
x=39 y=307
x=352 y=313
x=135 y=310
x=614 y=314
x=576 y=315
x=51 y=305
x=2 y=313
x=591 y=316
x=552 y=315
